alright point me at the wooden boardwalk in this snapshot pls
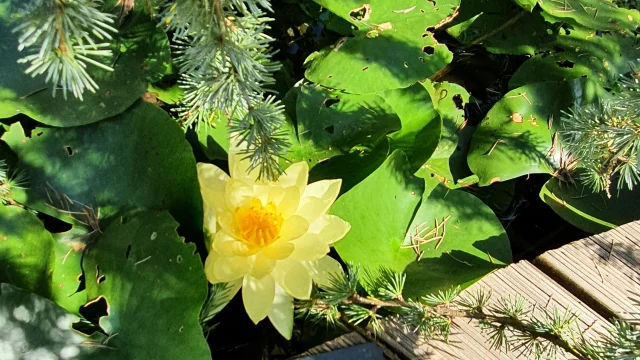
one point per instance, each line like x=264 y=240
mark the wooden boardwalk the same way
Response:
x=597 y=278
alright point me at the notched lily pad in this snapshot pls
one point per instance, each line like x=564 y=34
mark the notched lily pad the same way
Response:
x=393 y=46
x=150 y=279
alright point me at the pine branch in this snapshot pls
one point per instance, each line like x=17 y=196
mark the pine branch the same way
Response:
x=63 y=37
x=605 y=139
x=511 y=323
x=225 y=63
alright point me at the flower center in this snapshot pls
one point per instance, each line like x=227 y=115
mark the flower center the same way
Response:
x=259 y=225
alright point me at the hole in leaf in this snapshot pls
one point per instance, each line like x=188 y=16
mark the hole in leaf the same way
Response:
x=406 y=65
x=457 y=99
x=565 y=64
x=362 y=13
x=421 y=59
x=329 y=77
x=330 y=129
x=127 y=252
x=330 y=102
x=40 y=133
x=429 y=50
x=365 y=68
x=179 y=259
x=54 y=225
x=69 y=150
x=101 y=279
x=95 y=309
x=429 y=29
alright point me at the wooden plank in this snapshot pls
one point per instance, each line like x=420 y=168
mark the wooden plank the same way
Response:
x=469 y=342
x=602 y=270
x=341 y=342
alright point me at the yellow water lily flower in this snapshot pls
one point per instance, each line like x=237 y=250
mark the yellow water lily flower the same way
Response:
x=270 y=238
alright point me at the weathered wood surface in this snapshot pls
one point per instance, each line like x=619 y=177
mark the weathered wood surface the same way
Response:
x=341 y=342
x=596 y=278
x=603 y=270
x=469 y=342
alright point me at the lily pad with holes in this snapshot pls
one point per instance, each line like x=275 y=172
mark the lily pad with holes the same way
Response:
x=385 y=204
x=518 y=134
x=26 y=250
x=594 y=14
x=578 y=52
x=34 y=327
x=594 y=213
x=141 y=52
x=393 y=46
x=421 y=123
x=522 y=30
x=66 y=282
x=96 y=172
x=448 y=162
x=150 y=279
x=341 y=135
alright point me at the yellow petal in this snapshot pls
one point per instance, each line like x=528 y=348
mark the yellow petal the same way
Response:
x=286 y=199
x=227 y=222
x=281 y=314
x=209 y=267
x=213 y=182
x=238 y=193
x=309 y=247
x=296 y=176
x=262 y=266
x=330 y=228
x=325 y=189
x=258 y=296
x=210 y=223
x=278 y=250
x=293 y=228
x=227 y=245
x=321 y=270
x=294 y=278
x=318 y=198
x=228 y=268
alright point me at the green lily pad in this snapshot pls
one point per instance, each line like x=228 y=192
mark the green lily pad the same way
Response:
x=448 y=162
x=26 y=250
x=66 y=287
x=214 y=138
x=393 y=46
x=138 y=159
x=474 y=242
x=478 y=18
x=516 y=137
x=330 y=123
x=150 y=279
x=594 y=14
x=579 y=52
x=141 y=52
x=528 y=5
x=34 y=327
x=591 y=212
x=421 y=123
x=384 y=204
x=169 y=95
